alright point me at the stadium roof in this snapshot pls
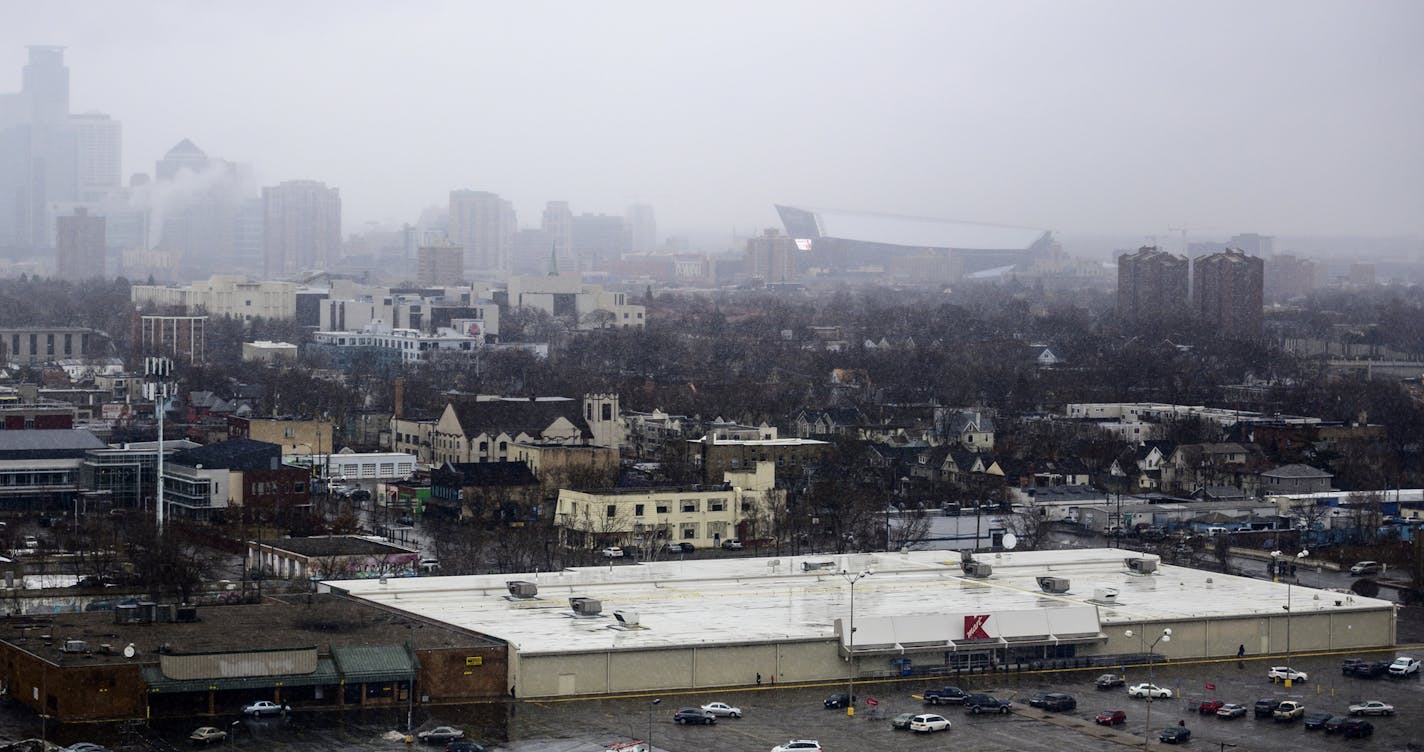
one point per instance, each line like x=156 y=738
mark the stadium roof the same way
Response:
x=913 y=232
x=751 y=600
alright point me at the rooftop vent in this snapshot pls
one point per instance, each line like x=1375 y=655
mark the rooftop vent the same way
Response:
x=1105 y=594
x=1141 y=565
x=522 y=588
x=186 y=614
x=73 y=646
x=1053 y=584
x=816 y=566
x=979 y=569
x=626 y=618
x=586 y=606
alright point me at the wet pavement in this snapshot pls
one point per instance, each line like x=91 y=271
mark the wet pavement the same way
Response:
x=774 y=714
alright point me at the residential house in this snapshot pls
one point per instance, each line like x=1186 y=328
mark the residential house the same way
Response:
x=646 y=434
x=413 y=434
x=1296 y=478
x=1193 y=466
x=833 y=421
x=971 y=429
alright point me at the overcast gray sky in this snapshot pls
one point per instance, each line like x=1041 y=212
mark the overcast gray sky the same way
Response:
x=1293 y=117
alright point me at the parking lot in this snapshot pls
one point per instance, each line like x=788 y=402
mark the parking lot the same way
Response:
x=776 y=714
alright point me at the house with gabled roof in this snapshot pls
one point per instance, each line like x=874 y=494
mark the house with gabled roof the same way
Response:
x=971 y=429
x=488 y=428
x=831 y=421
x=1295 y=478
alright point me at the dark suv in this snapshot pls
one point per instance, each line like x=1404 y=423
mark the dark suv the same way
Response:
x=945 y=696
x=1058 y=701
x=1266 y=707
x=977 y=704
x=838 y=700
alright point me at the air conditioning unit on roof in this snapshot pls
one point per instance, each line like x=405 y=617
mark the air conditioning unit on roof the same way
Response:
x=1053 y=584
x=976 y=568
x=1141 y=565
x=522 y=588
x=586 y=606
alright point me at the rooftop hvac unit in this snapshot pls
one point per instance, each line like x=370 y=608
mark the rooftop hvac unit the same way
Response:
x=147 y=611
x=586 y=606
x=816 y=566
x=1053 y=584
x=626 y=618
x=1141 y=565
x=522 y=588
x=73 y=646
x=166 y=613
x=186 y=614
x=976 y=568
x=126 y=613
x=1105 y=594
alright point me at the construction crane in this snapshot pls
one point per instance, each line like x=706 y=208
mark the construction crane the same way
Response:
x=1184 y=231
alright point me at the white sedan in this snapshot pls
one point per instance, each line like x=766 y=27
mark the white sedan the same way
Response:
x=798 y=745
x=1283 y=673
x=929 y=722
x=1150 y=691
x=722 y=709
x=1373 y=707
x=612 y=552
x=261 y=708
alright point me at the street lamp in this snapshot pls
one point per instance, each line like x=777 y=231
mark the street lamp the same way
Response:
x=656 y=701
x=1277 y=556
x=1166 y=636
x=852 y=578
x=232 y=733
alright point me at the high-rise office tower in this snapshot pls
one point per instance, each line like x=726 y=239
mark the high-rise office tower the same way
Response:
x=440 y=266
x=37 y=150
x=301 y=227
x=46 y=85
x=598 y=240
x=642 y=229
x=1253 y=244
x=1151 y=284
x=770 y=257
x=79 y=246
x=194 y=205
x=558 y=224
x=482 y=223
x=99 y=141
x=1227 y=292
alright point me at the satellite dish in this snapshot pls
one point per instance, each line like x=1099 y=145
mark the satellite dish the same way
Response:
x=1010 y=541
x=129 y=651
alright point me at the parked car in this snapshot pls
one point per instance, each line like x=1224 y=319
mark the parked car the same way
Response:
x=430 y=566
x=928 y=722
x=1316 y=721
x=1266 y=706
x=440 y=734
x=977 y=704
x=460 y=745
x=680 y=547
x=1351 y=665
x=1356 y=728
x=1363 y=568
x=86 y=747
x=1289 y=710
x=1207 y=707
x=1336 y=724
x=1108 y=681
x=1231 y=710
x=1174 y=735
x=1111 y=718
x=945 y=696
x=1372 y=707
x=1150 y=691
x=838 y=700
x=798 y=745
x=901 y=721
x=1404 y=666
x=731 y=544
x=1282 y=673
x=1372 y=670
x=1037 y=698
x=722 y=709
x=206 y=735
x=693 y=715
x=1059 y=702
x=612 y=552
x=261 y=708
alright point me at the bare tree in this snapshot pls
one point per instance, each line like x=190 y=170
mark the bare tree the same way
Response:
x=906 y=529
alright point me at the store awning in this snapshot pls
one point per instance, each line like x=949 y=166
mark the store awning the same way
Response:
x=368 y=664
x=325 y=674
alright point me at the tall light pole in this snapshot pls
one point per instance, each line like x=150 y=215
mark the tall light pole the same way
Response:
x=1277 y=556
x=656 y=701
x=852 y=578
x=1166 y=636
x=159 y=389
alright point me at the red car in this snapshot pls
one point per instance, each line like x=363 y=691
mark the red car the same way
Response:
x=1111 y=718
x=1208 y=707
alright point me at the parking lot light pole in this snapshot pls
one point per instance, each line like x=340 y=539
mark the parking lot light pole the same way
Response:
x=651 y=705
x=1166 y=636
x=1277 y=556
x=852 y=578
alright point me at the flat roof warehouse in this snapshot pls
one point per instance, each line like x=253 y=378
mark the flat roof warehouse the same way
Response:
x=917 y=604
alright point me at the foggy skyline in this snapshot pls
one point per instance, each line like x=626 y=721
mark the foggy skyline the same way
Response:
x=1291 y=118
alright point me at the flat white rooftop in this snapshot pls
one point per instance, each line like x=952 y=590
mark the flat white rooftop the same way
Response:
x=751 y=600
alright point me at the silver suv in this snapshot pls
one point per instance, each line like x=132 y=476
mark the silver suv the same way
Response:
x=1365 y=567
